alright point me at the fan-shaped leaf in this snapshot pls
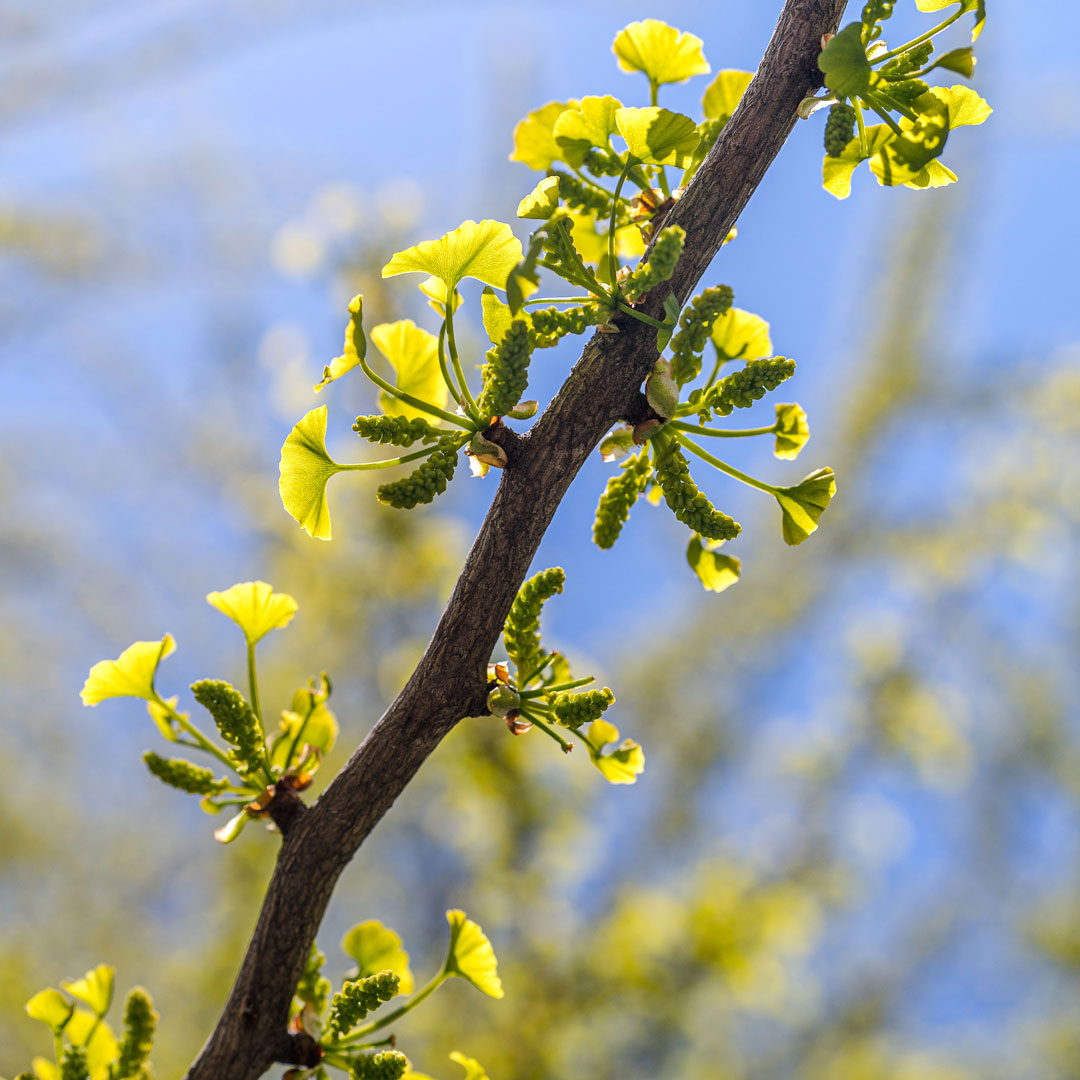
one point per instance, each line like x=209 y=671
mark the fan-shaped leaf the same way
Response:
x=590 y=124
x=486 y=250
x=255 y=608
x=355 y=346
x=534 y=140
x=304 y=471
x=377 y=948
x=716 y=572
x=657 y=136
x=470 y=955
x=724 y=93
x=131 y=674
x=664 y=54
x=413 y=353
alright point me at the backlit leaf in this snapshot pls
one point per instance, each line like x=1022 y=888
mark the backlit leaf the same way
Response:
x=792 y=431
x=473 y=1069
x=741 y=335
x=485 y=250
x=542 y=201
x=836 y=171
x=589 y=125
x=94 y=989
x=534 y=140
x=622 y=765
x=804 y=504
x=724 y=93
x=716 y=572
x=255 y=608
x=51 y=1008
x=413 y=353
x=664 y=54
x=131 y=674
x=470 y=955
x=657 y=136
x=355 y=346
x=377 y=948
x=304 y=471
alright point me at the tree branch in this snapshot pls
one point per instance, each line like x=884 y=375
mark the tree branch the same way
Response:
x=449 y=683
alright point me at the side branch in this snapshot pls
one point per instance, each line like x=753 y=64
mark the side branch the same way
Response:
x=449 y=682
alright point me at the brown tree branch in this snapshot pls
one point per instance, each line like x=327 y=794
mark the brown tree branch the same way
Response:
x=449 y=683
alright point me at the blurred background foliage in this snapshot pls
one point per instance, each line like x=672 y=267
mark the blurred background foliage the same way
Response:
x=853 y=854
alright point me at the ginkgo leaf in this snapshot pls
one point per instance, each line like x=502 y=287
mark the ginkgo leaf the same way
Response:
x=836 y=171
x=590 y=124
x=255 y=608
x=741 y=335
x=724 y=93
x=96 y=1036
x=534 y=140
x=658 y=136
x=978 y=6
x=792 y=431
x=591 y=243
x=304 y=470
x=164 y=716
x=413 y=353
x=804 y=504
x=843 y=61
x=496 y=315
x=473 y=1069
x=542 y=201
x=664 y=54
x=94 y=989
x=377 y=948
x=232 y=828
x=131 y=674
x=51 y=1008
x=485 y=250
x=964 y=106
x=622 y=765
x=934 y=174
x=470 y=955
x=902 y=158
x=716 y=572
x=435 y=291
x=355 y=346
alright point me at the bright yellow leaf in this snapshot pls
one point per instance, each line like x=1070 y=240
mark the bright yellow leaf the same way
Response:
x=413 y=353
x=664 y=54
x=485 y=250
x=471 y=956
x=534 y=141
x=255 y=608
x=131 y=674
x=304 y=470
x=355 y=346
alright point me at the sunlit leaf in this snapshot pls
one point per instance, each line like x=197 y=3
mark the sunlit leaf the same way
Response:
x=255 y=608
x=496 y=315
x=724 y=93
x=165 y=717
x=716 y=572
x=94 y=989
x=803 y=504
x=662 y=53
x=473 y=1069
x=131 y=674
x=304 y=471
x=485 y=250
x=622 y=765
x=741 y=335
x=232 y=828
x=792 y=431
x=377 y=948
x=978 y=6
x=45 y=1069
x=534 y=140
x=843 y=61
x=355 y=346
x=657 y=136
x=902 y=159
x=590 y=124
x=962 y=61
x=935 y=174
x=435 y=291
x=836 y=171
x=470 y=955
x=413 y=353
x=541 y=202
x=51 y=1008
x=86 y=1029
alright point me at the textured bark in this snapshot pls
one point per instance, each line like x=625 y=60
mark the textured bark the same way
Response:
x=449 y=683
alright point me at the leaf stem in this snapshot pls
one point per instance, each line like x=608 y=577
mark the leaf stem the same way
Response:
x=386 y=463
x=415 y=402
x=455 y=393
x=661 y=172
x=731 y=433
x=204 y=743
x=864 y=148
x=547 y=729
x=641 y=316
x=557 y=688
x=614 y=266
x=420 y=995
x=723 y=466
x=559 y=300
x=452 y=344
x=253 y=687
x=921 y=38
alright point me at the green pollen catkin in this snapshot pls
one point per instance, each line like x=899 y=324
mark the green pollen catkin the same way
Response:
x=906 y=91
x=387 y=1065
x=839 y=128
x=140 y=1022
x=909 y=61
x=550 y=324
x=741 y=389
x=578 y=195
x=618 y=498
x=506 y=373
x=236 y=721
x=425 y=482
x=395 y=430
x=660 y=265
x=73 y=1065
x=183 y=775
x=559 y=244
x=688 y=504
x=574 y=710
x=313 y=988
x=695 y=326
x=601 y=163
x=521 y=634
x=356 y=999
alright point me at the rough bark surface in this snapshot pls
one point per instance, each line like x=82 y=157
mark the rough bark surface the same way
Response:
x=449 y=683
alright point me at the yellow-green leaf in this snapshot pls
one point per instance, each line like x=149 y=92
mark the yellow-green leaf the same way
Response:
x=590 y=124
x=658 y=136
x=232 y=828
x=94 y=989
x=355 y=346
x=485 y=250
x=131 y=674
x=792 y=431
x=541 y=202
x=45 y=1069
x=377 y=948
x=87 y=1030
x=470 y=955
x=715 y=571
x=304 y=471
x=496 y=315
x=51 y=1008
x=836 y=171
x=473 y=1069
x=741 y=335
x=724 y=93
x=804 y=504
x=413 y=353
x=534 y=139
x=164 y=716
x=255 y=608
x=964 y=106
x=622 y=765
x=435 y=291
x=933 y=175
x=662 y=53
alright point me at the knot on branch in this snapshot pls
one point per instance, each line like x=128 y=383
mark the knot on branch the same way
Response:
x=285 y=807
